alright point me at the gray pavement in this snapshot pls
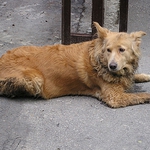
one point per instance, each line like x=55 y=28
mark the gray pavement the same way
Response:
x=71 y=122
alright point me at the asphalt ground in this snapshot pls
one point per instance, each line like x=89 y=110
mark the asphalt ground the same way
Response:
x=70 y=122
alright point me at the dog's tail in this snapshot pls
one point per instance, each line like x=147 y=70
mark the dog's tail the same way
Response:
x=12 y=87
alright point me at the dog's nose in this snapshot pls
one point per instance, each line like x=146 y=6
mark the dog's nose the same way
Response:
x=112 y=66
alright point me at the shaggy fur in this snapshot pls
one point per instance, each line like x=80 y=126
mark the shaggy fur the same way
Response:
x=103 y=68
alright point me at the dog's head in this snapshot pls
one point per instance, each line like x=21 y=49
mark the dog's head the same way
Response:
x=118 y=51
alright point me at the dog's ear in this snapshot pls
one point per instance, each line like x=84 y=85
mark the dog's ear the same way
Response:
x=101 y=32
x=137 y=36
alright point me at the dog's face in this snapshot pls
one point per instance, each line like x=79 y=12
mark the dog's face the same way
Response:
x=120 y=50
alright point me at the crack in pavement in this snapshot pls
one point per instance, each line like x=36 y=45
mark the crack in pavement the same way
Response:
x=11 y=144
x=81 y=15
x=77 y=14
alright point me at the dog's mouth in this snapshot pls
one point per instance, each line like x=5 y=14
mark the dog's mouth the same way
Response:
x=119 y=72
x=114 y=68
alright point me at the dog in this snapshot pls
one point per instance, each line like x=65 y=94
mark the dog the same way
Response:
x=103 y=68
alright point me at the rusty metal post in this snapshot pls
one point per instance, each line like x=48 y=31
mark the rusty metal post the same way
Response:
x=97 y=13
x=123 y=19
x=66 y=21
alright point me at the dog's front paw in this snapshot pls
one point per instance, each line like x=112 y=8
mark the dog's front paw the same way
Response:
x=139 y=78
x=146 y=77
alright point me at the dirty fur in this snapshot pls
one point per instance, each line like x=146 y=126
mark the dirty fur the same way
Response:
x=103 y=68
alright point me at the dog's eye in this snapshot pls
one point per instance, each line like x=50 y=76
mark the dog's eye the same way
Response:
x=108 y=50
x=121 y=49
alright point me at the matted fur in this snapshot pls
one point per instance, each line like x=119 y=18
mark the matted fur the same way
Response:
x=103 y=68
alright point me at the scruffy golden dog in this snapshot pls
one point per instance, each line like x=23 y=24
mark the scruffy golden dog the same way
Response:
x=103 y=68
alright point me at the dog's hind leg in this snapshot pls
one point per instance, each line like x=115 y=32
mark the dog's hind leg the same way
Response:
x=139 y=78
x=29 y=84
